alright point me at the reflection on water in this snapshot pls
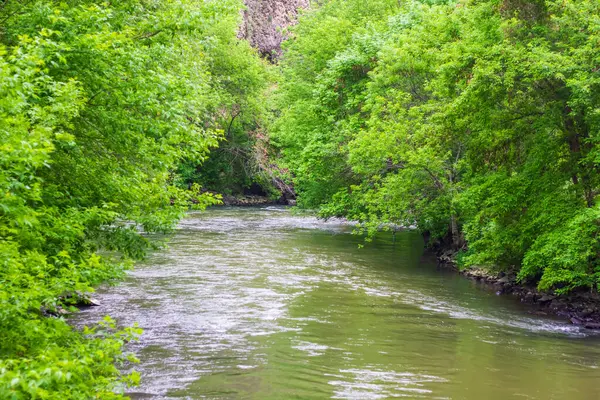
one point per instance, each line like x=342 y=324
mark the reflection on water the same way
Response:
x=260 y=304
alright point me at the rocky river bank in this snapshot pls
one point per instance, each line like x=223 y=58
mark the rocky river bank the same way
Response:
x=581 y=308
x=254 y=200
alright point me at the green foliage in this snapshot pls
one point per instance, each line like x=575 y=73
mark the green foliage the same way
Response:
x=321 y=92
x=238 y=82
x=68 y=364
x=99 y=105
x=476 y=121
x=568 y=254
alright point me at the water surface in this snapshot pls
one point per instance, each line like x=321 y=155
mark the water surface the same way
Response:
x=260 y=304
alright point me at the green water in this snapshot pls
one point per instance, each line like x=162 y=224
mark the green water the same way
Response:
x=260 y=304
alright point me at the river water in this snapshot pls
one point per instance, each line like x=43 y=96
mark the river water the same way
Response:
x=261 y=304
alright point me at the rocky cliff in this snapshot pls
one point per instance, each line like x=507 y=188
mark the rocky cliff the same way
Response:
x=265 y=20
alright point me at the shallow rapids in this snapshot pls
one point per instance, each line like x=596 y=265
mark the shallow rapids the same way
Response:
x=260 y=304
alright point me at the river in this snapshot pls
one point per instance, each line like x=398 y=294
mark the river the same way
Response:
x=261 y=304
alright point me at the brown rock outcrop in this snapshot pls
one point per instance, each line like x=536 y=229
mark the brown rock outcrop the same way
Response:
x=264 y=22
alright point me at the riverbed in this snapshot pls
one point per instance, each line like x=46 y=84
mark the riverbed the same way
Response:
x=257 y=303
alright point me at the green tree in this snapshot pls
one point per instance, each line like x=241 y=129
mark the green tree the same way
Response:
x=474 y=121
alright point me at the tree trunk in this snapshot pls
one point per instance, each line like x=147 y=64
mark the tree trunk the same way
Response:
x=575 y=132
x=456 y=236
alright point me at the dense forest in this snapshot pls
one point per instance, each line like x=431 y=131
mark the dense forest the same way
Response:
x=475 y=121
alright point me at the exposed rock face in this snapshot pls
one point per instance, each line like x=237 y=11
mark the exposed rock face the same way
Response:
x=264 y=21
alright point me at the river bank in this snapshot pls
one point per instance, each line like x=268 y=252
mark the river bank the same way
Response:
x=580 y=308
x=255 y=200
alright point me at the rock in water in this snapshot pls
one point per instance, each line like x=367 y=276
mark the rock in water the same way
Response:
x=93 y=302
x=546 y=299
x=576 y=321
x=264 y=21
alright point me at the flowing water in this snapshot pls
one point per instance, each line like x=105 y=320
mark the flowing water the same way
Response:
x=261 y=304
